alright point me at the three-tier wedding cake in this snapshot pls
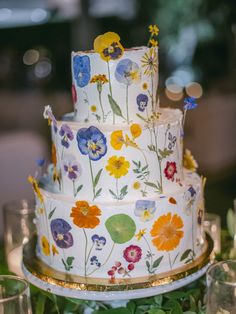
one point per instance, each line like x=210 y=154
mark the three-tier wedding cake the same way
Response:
x=117 y=206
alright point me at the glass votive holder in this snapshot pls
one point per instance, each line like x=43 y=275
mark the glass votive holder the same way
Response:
x=19 y=227
x=14 y=295
x=212 y=225
x=221 y=288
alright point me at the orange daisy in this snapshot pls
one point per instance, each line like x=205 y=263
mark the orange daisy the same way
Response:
x=85 y=216
x=166 y=232
x=54 y=155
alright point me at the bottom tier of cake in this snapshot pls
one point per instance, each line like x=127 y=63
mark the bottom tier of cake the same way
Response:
x=123 y=240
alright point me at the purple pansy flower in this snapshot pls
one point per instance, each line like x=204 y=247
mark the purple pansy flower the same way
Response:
x=60 y=232
x=67 y=135
x=190 y=103
x=98 y=241
x=142 y=101
x=81 y=70
x=71 y=167
x=94 y=261
x=92 y=142
x=127 y=72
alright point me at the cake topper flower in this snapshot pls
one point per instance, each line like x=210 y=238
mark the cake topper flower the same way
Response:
x=189 y=162
x=154 y=31
x=189 y=104
x=47 y=114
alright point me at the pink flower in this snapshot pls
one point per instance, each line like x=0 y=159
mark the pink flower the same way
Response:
x=170 y=170
x=132 y=254
x=74 y=94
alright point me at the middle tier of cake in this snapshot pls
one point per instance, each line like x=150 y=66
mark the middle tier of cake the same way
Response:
x=119 y=162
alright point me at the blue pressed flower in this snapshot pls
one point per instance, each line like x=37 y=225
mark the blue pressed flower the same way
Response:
x=190 y=103
x=127 y=72
x=71 y=167
x=92 y=142
x=192 y=191
x=142 y=101
x=98 y=241
x=66 y=134
x=81 y=70
x=40 y=162
x=60 y=233
x=145 y=209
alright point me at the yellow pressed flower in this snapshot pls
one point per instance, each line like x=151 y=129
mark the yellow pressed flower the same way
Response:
x=36 y=188
x=153 y=42
x=136 y=185
x=45 y=246
x=117 y=166
x=117 y=139
x=54 y=250
x=135 y=130
x=129 y=142
x=149 y=61
x=189 y=161
x=153 y=29
x=140 y=234
x=108 y=46
x=100 y=78
x=145 y=86
x=93 y=108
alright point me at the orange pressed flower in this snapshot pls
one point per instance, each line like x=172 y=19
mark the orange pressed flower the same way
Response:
x=166 y=232
x=54 y=250
x=85 y=216
x=54 y=155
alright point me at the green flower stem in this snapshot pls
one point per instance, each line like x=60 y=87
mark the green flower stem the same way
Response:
x=100 y=102
x=91 y=171
x=145 y=158
x=193 y=236
x=109 y=79
x=109 y=255
x=117 y=190
x=152 y=91
x=159 y=159
x=46 y=224
x=89 y=254
x=127 y=102
x=74 y=190
x=149 y=249
x=85 y=253
x=169 y=260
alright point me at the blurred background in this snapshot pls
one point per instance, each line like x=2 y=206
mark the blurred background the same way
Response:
x=197 y=57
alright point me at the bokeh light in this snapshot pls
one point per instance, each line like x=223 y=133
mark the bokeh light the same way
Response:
x=194 y=89
x=31 y=56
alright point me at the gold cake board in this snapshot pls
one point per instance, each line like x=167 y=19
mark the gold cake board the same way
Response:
x=66 y=284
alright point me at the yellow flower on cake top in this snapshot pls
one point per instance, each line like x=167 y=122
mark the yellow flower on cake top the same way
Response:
x=149 y=62
x=45 y=246
x=108 y=46
x=36 y=188
x=117 y=139
x=84 y=215
x=189 y=161
x=153 y=29
x=117 y=166
x=135 y=130
x=166 y=232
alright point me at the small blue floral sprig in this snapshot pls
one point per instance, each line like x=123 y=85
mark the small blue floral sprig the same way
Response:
x=189 y=104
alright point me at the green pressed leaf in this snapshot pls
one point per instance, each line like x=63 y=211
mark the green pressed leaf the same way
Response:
x=165 y=152
x=148 y=265
x=79 y=188
x=40 y=305
x=98 y=192
x=113 y=194
x=231 y=221
x=185 y=254
x=140 y=117
x=51 y=213
x=97 y=177
x=153 y=185
x=123 y=191
x=114 y=106
x=121 y=228
x=157 y=262
x=135 y=163
x=70 y=260
x=152 y=148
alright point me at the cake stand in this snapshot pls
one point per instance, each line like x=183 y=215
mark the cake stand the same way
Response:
x=65 y=284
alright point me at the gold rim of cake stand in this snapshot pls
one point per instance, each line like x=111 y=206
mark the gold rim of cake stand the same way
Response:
x=42 y=271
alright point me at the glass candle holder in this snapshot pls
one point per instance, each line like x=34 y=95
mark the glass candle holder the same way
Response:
x=19 y=227
x=212 y=225
x=221 y=288
x=14 y=295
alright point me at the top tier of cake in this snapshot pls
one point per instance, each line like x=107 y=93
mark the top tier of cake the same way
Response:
x=114 y=89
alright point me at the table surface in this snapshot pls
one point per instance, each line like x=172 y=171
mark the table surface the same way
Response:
x=186 y=300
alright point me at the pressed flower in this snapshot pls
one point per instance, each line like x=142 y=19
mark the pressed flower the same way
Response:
x=108 y=46
x=127 y=72
x=93 y=108
x=190 y=103
x=100 y=78
x=74 y=94
x=166 y=232
x=66 y=134
x=132 y=254
x=145 y=86
x=36 y=188
x=135 y=130
x=153 y=42
x=189 y=161
x=170 y=170
x=47 y=114
x=145 y=209
x=129 y=142
x=71 y=167
x=81 y=70
x=117 y=139
x=117 y=166
x=45 y=246
x=149 y=62
x=153 y=29
x=54 y=250
x=60 y=232
x=84 y=215
x=92 y=142
x=54 y=155
x=136 y=185
x=140 y=234
x=142 y=101
x=98 y=241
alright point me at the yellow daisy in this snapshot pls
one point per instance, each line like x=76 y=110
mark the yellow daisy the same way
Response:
x=153 y=29
x=189 y=161
x=117 y=166
x=45 y=246
x=140 y=234
x=136 y=185
x=36 y=188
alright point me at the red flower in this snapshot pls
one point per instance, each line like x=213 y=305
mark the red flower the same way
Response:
x=74 y=94
x=132 y=254
x=170 y=170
